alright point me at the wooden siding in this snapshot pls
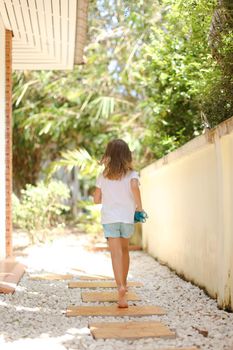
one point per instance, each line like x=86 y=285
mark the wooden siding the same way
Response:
x=45 y=32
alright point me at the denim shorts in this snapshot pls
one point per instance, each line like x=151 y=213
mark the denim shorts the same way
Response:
x=118 y=230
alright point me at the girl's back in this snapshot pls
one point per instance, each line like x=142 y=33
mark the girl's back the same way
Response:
x=118 y=203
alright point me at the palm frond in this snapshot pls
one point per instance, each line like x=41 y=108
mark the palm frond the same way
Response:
x=103 y=107
x=24 y=90
x=88 y=166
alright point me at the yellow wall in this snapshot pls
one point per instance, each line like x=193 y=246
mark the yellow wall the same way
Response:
x=189 y=199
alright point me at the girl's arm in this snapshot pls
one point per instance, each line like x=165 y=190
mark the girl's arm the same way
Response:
x=136 y=193
x=97 y=195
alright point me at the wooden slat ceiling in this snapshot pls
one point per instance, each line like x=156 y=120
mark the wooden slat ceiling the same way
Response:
x=48 y=34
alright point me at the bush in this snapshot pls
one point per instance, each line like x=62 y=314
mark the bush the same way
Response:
x=40 y=207
x=88 y=219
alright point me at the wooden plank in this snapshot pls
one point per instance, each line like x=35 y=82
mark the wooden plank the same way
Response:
x=49 y=27
x=50 y=277
x=106 y=296
x=42 y=26
x=27 y=22
x=94 y=277
x=31 y=56
x=56 y=17
x=114 y=311
x=4 y=15
x=100 y=247
x=20 y=21
x=35 y=26
x=130 y=330
x=11 y=16
x=104 y=284
x=11 y=272
x=39 y=65
x=186 y=348
x=64 y=31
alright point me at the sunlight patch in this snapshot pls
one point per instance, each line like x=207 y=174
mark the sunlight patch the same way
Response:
x=35 y=344
x=79 y=331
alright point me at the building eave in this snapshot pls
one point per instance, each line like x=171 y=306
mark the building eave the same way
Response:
x=47 y=34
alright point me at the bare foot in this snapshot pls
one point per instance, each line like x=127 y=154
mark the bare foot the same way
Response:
x=122 y=301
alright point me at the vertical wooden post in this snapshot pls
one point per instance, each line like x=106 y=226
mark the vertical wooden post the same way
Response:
x=2 y=142
x=8 y=145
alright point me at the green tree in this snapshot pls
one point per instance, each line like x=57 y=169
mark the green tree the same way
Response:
x=174 y=69
x=57 y=111
x=151 y=73
x=218 y=100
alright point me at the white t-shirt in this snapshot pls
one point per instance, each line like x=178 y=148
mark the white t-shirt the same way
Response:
x=118 y=203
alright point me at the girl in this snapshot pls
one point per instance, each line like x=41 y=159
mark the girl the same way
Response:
x=117 y=188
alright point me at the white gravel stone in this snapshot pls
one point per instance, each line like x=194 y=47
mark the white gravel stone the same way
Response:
x=34 y=317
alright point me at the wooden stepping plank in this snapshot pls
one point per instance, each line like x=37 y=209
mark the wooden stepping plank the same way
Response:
x=192 y=348
x=130 y=330
x=51 y=277
x=114 y=311
x=107 y=296
x=11 y=272
x=107 y=284
x=95 y=277
x=104 y=247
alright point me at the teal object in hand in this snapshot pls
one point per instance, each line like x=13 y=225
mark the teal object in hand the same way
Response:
x=140 y=216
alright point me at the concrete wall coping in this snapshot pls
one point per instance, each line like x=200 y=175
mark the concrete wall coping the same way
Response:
x=193 y=145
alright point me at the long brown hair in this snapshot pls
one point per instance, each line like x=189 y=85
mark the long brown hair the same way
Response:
x=117 y=159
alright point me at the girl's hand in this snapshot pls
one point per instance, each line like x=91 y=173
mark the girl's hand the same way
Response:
x=136 y=194
x=97 y=196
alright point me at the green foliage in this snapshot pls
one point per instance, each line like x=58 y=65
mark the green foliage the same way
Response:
x=153 y=69
x=175 y=67
x=88 y=219
x=88 y=166
x=40 y=207
x=218 y=99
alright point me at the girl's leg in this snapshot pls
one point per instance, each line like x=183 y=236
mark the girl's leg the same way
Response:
x=115 y=247
x=125 y=258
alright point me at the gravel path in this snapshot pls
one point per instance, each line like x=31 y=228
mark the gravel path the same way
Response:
x=33 y=318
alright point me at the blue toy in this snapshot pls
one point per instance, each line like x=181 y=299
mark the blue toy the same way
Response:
x=140 y=216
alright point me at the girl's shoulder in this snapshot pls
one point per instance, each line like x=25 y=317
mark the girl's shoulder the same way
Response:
x=133 y=174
